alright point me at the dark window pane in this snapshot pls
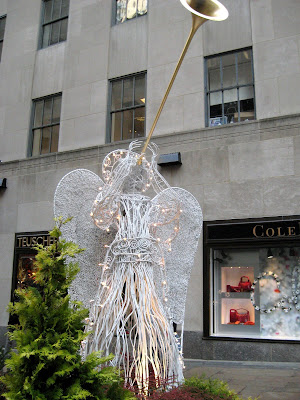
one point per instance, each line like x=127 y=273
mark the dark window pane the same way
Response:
x=229 y=70
x=56 y=9
x=213 y=73
x=47 y=11
x=139 y=122
x=1 y=46
x=25 y=276
x=128 y=93
x=116 y=126
x=38 y=113
x=63 y=30
x=121 y=11
x=56 y=109
x=54 y=139
x=139 y=96
x=2 y=27
x=116 y=95
x=36 y=142
x=65 y=8
x=46 y=35
x=127 y=124
x=55 y=33
x=244 y=67
x=46 y=135
x=47 y=112
x=246 y=103
x=142 y=7
x=231 y=111
x=131 y=9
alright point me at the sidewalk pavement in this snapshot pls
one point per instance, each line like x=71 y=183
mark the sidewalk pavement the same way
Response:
x=269 y=381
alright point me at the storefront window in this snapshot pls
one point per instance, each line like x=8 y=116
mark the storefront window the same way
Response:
x=256 y=295
x=253 y=285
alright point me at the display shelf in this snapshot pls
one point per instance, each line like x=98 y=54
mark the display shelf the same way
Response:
x=235 y=295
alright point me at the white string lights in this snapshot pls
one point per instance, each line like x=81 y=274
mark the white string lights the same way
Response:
x=143 y=280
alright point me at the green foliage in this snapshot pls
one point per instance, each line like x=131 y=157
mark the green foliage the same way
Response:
x=46 y=363
x=212 y=387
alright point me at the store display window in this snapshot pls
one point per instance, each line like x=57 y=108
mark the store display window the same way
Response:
x=252 y=284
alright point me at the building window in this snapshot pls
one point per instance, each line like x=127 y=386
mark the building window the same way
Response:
x=54 y=22
x=130 y=9
x=128 y=100
x=45 y=125
x=2 y=29
x=230 y=88
x=252 y=278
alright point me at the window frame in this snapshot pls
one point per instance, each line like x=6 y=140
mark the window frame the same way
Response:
x=114 y=13
x=222 y=89
x=33 y=128
x=122 y=109
x=2 y=40
x=51 y=22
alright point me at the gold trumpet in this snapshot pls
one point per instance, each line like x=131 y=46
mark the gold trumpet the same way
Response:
x=201 y=10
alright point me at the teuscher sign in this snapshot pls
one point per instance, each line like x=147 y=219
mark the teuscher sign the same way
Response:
x=28 y=241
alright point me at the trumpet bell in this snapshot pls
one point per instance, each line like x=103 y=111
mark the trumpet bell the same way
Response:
x=207 y=9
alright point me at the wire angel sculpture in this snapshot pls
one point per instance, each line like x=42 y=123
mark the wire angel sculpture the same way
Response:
x=135 y=272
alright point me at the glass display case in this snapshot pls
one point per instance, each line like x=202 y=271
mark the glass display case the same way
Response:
x=254 y=293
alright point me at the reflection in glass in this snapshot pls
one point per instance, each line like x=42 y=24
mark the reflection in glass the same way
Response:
x=47 y=11
x=65 y=8
x=116 y=126
x=116 y=95
x=38 y=113
x=139 y=122
x=230 y=88
x=229 y=70
x=63 y=30
x=25 y=277
x=121 y=11
x=56 y=9
x=214 y=73
x=46 y=35
x=231 y=110
x=247 y=282
x=139 y=95
x=47 y=112
x=127 y=124
x=128 y=93
x=46 y=136
x=131 y=8
x=55 y=33
x=56 y=109
x=36 y=142
x=54 y=139
x=142 y=7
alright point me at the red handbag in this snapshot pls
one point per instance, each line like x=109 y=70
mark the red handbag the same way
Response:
x=245 y=284
x=239 y=315
x=233 y=288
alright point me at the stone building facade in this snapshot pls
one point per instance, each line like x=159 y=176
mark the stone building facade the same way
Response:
x=243 y=165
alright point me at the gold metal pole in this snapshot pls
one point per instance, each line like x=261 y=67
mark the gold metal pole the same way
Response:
x=197 y=22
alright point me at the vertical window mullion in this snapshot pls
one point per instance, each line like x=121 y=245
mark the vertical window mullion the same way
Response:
x=42 y=129
x=122 y=114
x=237 y=86
x=50 y=139
x=133 y=103
x=222 y=87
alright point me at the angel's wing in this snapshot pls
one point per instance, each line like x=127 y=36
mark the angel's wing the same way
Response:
x=74 y=197
x=179 y=261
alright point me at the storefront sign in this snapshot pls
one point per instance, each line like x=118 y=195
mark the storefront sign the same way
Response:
x=29 y=241
x=283 y=229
